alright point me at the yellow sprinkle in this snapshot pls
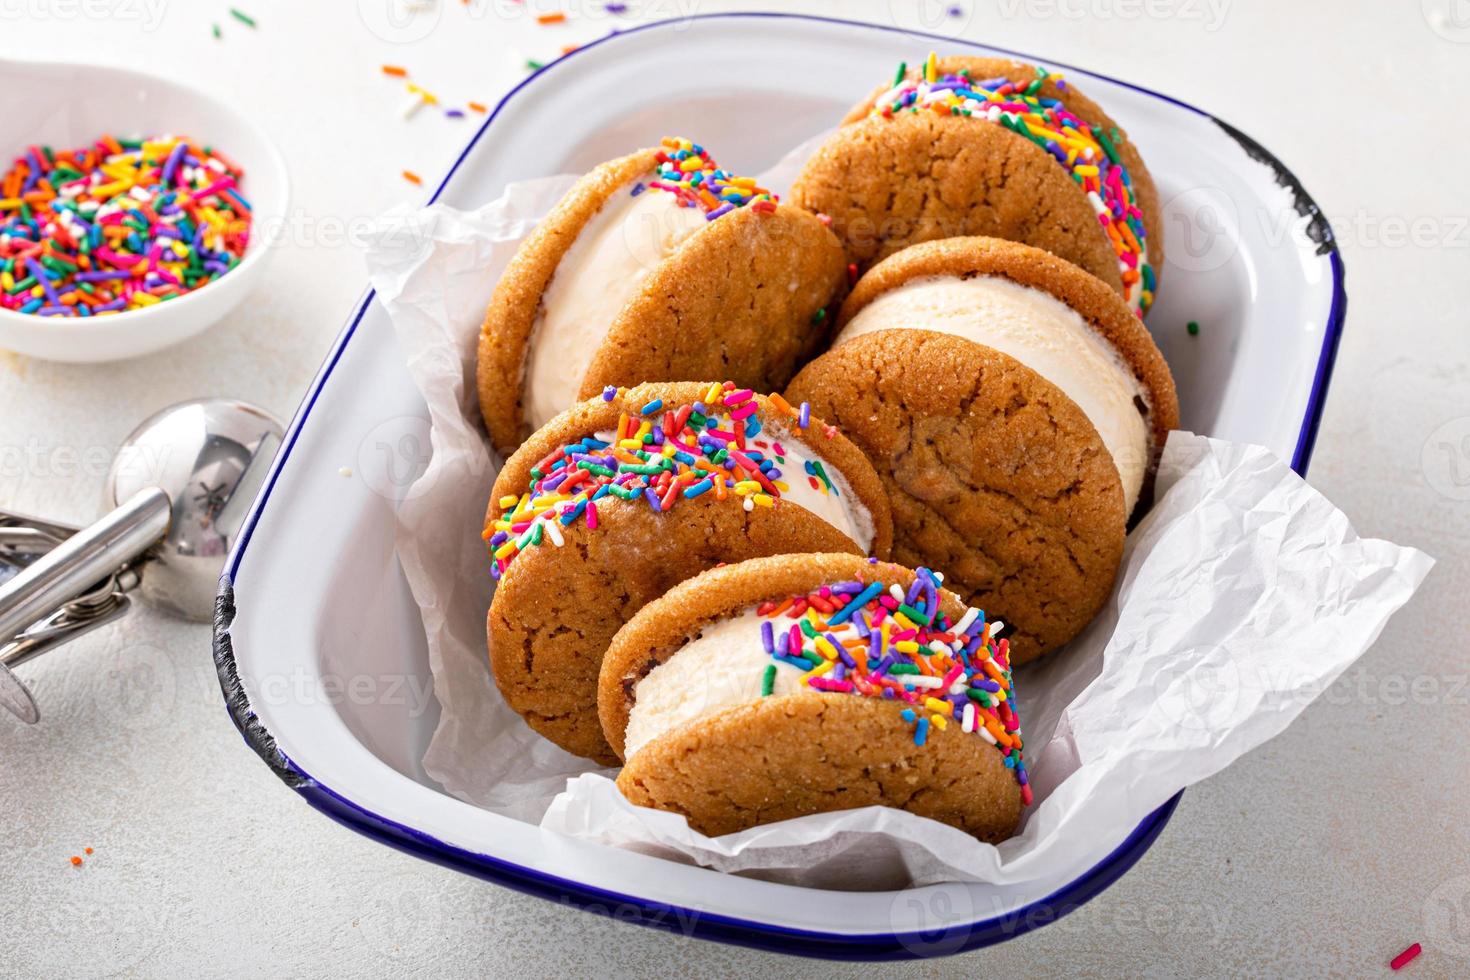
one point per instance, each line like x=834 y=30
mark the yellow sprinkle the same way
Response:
x=818 y=670
x=509 y=500
x=505 y=550
x=938 y=706
x=147 y=299
x=691 y=164
x=763 y=500
x=906 y=646
x=825 y=648
x=931 y=68
x=1087 y=171
x=939 y=721
x=744 y=487
x=714 y=395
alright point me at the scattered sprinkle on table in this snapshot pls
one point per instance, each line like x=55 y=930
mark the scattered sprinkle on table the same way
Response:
x=76 y=861
x=956 y=11
x=395 y=71
x=214 y=28
x=117 y=225
x=554 y=18
x=413 y=178
x=477 y=107
x=1403 y=959
x=242 y=17
x=86 y=850
x=1193 y=327
x=533 y=65
x=616 y=8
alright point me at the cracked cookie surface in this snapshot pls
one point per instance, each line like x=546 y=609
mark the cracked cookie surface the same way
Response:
x=994 y=476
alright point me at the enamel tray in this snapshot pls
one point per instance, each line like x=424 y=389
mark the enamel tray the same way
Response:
x=313 y=589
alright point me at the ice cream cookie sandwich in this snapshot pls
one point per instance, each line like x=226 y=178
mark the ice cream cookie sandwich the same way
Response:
x=983 y=146
x=658 y=266
x=801 y=684
x=631 y=492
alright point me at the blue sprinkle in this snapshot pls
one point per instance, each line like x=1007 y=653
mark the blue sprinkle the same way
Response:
x=652 y=407
x=609 y=393
x=921 y=734
x=908 y=715
x=638 y=188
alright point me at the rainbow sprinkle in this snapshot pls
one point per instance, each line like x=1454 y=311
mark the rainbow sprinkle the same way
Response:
x=879 y=640
x=690 y=174
x=1090 y=155
x=659 y=455
x=118 y=225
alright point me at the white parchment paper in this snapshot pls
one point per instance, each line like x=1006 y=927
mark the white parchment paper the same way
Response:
x=1242 y=595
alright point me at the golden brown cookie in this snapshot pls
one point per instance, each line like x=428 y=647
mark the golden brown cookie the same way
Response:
x=729 y=717
x=927 y=287
x=655 y=267
x=993 y=474
x=983 y=146
x=584 y=533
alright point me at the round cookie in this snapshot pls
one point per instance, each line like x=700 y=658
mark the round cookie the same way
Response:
x=905 y=701
x=993 y=475
x=1048 y=314
x=657 y=266
x=584 y=531
x=913 y=163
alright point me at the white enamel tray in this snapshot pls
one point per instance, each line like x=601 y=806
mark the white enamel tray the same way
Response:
x=313 y=591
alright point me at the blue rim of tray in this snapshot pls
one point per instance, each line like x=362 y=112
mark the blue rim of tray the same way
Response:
x=759 y=935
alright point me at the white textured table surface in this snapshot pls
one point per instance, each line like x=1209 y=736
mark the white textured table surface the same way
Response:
x=1328 y=850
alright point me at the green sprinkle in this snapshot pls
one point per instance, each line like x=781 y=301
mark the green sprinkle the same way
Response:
x=904 y=669
x=923 y=619
x=808 y=628
x=533 y=65
x=903 y=69
x=242 y=17
x=215 y=28
x=597 y=468
x=820 y=315
x=1193 y=327
x=768 y=682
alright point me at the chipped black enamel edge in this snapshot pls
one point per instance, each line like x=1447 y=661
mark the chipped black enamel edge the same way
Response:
x=237 y=702
x=1318 y=228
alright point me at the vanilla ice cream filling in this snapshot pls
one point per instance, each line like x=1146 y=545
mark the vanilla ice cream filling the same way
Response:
x=723 y=667
x=602 y=272
x=837 y=506
x=1042 y=333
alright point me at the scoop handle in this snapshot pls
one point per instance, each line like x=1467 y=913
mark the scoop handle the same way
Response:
x=76 y=565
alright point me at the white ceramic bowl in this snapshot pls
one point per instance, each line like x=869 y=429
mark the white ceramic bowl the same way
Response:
x=65 y=105
x=313 y=592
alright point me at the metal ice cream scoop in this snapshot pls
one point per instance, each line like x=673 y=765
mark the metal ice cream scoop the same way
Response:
x=180 y=487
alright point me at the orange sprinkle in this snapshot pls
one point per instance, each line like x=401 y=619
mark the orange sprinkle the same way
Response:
x=395 y=71
x=569 y=48
x=76 y=861
x=87 y=850
x=556 y=18
x=413 y=178
x=477 y=107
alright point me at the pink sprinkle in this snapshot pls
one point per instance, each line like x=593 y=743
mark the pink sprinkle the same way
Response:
x=591 y=516
x=1403 y=959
